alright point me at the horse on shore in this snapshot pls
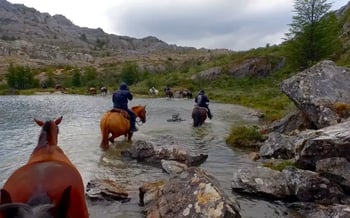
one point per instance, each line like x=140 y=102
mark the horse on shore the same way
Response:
x=92 y=91
x=153 y=91
x=48 y=185
x=103 y=90
x=199 y=115
x=186 y=94
x=117 y=123
x=169 y=94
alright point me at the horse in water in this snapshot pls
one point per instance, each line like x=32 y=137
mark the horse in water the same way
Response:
x=48 y=185
x=116 y=122
x=153 y=91
x=199 y=115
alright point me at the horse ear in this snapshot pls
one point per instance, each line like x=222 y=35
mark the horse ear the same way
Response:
x=39 y=122
x=63 y=205
x=5 y=197
x=58 y=120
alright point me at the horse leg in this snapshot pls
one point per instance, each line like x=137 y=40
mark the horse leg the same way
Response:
x=129 y=136
x=104 y=142
x=111 y=139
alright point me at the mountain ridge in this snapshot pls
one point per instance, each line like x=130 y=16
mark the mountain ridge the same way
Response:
x=36 y=39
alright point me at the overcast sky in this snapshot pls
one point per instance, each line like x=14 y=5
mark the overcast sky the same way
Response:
x=230 y=24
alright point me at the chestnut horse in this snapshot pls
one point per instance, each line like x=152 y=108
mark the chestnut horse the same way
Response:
x=116 y=122
x=199 y=115
x=48 y=185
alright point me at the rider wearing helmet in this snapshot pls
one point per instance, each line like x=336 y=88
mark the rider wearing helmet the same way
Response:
x=203 y=101
x=120 y=100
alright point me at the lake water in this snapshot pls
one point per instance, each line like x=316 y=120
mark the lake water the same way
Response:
x=80 y=138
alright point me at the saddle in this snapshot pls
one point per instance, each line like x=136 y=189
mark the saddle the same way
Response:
x=201 y=108
x=122 y=112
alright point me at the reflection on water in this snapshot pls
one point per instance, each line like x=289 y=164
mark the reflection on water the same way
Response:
x=80 y=139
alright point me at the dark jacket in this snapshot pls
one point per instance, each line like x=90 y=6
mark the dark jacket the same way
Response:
x=120 y=98
x=202 y=100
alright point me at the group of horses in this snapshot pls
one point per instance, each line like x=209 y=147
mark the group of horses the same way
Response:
x=49 y=185
x=93 y=90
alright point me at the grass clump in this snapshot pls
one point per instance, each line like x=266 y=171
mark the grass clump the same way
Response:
x=279 y=165
x=244 y=136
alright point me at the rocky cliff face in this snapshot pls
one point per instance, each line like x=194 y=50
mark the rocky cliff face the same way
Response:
x=29 y=34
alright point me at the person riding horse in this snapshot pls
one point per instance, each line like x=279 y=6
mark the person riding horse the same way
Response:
x=120 y=100
x=203 y=101
x=168 y=92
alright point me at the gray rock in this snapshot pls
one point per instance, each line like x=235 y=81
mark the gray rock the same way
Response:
x=193 y=193
x=316 y=90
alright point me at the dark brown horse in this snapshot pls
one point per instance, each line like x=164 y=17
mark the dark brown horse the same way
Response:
x=199 y=115
x=117 y=123
x=169 y=94
x=48 y=185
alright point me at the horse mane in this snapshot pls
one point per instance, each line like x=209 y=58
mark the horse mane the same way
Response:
x=43 y=141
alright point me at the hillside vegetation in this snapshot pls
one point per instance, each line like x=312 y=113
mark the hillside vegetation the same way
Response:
x=249 y=78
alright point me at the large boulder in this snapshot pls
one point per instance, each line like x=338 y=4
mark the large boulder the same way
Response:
x=193 y=193
x=291 y=184
x=318 y=90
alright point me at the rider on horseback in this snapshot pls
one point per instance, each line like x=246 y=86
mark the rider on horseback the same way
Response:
x=203 y=101
x=120 y=100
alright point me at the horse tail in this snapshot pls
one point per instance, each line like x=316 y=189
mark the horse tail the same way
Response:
x=104 y=131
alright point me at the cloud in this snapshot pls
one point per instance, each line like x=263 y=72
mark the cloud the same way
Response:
x=231 y=24
x=212 y=24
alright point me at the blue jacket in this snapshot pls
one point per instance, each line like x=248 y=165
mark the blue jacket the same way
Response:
x=120 y=98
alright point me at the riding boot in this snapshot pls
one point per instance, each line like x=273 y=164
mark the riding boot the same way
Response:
x=133 y=127
x=209 y=114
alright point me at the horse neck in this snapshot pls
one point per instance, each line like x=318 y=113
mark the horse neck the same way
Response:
x=136 y=110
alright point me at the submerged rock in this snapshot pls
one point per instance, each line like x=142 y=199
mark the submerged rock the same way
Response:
x=104 y=189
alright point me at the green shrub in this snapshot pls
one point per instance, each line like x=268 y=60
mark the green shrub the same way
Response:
x=244 y=136
x=279 y=165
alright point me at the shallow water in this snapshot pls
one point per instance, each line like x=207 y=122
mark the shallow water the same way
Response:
x=80 y=138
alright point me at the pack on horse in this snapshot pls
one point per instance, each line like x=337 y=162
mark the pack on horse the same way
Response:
x=117 y=123
x=48 y=185
x=199 y=115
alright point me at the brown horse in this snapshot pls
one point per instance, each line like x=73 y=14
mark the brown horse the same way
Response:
x=48 y=185
x=92 y=91
x=117 y=123
x=199 y=115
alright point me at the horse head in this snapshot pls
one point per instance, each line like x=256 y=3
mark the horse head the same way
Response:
x=140 y=111
x=39 y=206
x=49 y=131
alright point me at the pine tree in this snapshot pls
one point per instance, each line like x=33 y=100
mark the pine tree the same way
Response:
x=314 y=33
